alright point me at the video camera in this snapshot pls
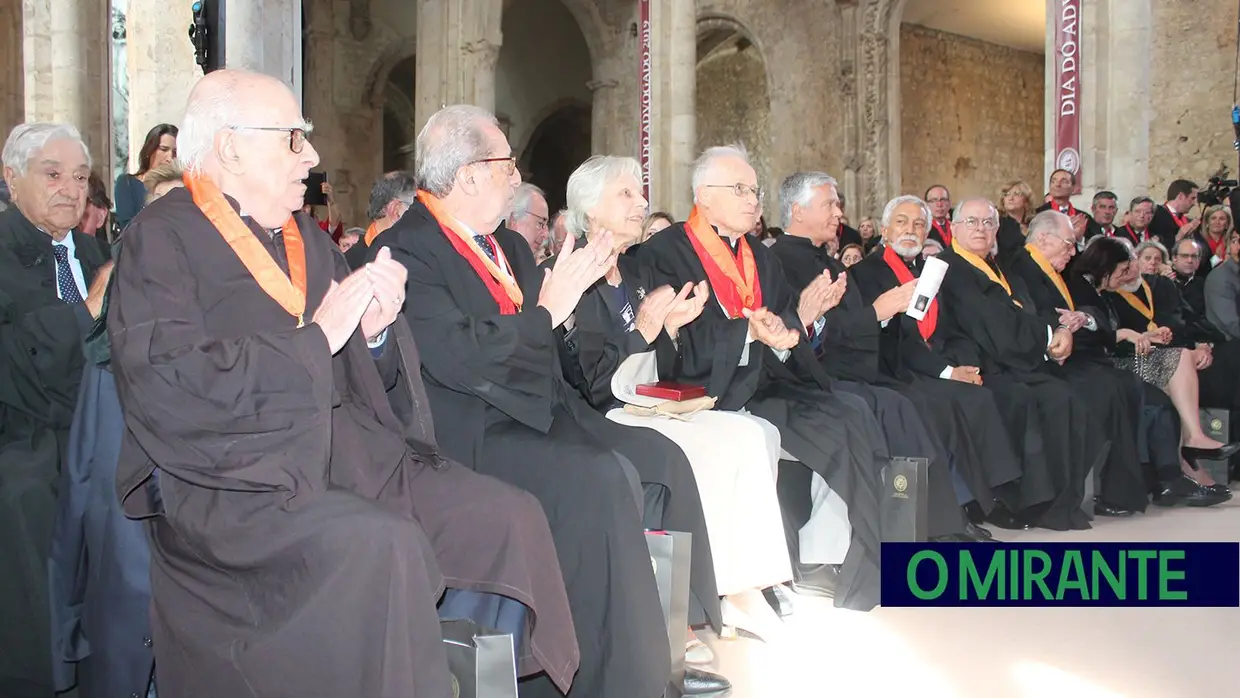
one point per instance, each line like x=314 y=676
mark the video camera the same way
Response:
x=207 y=34
x=1217 y=191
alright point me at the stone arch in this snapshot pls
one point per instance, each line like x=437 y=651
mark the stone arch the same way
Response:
x=381 y=70
x=733 y=100
x=559 y=143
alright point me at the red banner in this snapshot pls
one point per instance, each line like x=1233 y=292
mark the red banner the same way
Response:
x=644 y=81
x=1068 y=88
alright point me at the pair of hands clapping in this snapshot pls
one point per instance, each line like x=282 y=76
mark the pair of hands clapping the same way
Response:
x=370 y=297
x=664 y=309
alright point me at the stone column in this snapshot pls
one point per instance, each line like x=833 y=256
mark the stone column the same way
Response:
x=1115 y=97
x=674 y=88
x=67 y=57
x=458 y=45
x=263 y=36
x=12 y=71
x=849 y=110
x=161 y=67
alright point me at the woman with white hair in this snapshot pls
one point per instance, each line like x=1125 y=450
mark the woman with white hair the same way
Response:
x=734 y=456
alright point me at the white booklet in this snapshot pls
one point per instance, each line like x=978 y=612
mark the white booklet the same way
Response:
x=927 y=287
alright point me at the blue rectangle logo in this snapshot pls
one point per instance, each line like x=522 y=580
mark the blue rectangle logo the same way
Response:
x=1061 y=574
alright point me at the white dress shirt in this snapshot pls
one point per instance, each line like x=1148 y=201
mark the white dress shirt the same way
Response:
x=75 y=267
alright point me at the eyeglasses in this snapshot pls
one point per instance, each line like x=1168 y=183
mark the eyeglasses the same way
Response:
x=987 y=224
x=542 y=221
x=512 y=163
x=297 y=135
x=939 y=200
x=741 y=190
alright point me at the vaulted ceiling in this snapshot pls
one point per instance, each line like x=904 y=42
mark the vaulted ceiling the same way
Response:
x=1020 y=24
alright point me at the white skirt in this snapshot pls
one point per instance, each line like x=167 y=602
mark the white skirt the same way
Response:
x=735 y=459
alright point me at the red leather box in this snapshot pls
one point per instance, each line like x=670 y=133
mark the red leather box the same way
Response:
x=667 y=390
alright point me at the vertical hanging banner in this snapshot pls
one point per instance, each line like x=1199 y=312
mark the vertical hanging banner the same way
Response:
x=645 y=72
x=1068 y=88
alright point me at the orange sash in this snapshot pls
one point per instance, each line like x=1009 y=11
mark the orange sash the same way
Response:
x=1056 y=278
x=736 y=287
x=930 y=321
x=981 y=265
x=497 y=280
x=372 y=232
x=289 y=291
x=1147 y=311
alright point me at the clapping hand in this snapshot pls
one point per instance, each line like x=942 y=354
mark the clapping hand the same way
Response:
x=687 y=307
x=768 y=328
x=816 y=299
x=652 y=312
x=387 y=279
x=575 y=270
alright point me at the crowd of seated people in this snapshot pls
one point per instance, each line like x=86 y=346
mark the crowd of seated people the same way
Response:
x=263 y=455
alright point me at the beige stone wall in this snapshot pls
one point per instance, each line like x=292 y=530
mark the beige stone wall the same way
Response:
x=733 y=107
x=543 y=64
x=971 y=114
x=161 y=68
x=797 y=40
x=1192 y=71
x=12 y=78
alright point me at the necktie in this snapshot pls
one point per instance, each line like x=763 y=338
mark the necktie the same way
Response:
x=69 y=292
x=485 y=243
x=277 y=239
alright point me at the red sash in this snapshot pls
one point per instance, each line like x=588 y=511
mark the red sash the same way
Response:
x=734 y=279
x=1069 y=213
x=930 y=322
x=944 y=232
x=1217 y=248
x=1180 y=221
x=502 y=287
x=1130 y=234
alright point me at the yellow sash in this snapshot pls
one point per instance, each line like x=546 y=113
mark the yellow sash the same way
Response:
x=1056 y=278
x=1147 y=311
x=983 y=267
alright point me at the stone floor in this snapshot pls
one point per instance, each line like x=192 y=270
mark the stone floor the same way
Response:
x=1005 y=652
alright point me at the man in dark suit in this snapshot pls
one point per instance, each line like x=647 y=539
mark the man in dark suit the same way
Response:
x=1171 y=220
x=52 y=280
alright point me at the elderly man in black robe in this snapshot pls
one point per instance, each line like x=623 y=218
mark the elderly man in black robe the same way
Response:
x=485 y=317
x=971 y=437
x=52 y=278
x=986 y=321
x=1114 y=396
x=301 y=530
x=748 y=349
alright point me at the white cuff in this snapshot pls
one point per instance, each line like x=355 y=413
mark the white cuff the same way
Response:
x=379 y=341
x=947 y=372
x=782 y=354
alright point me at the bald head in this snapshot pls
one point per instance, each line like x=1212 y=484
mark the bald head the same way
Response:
x=245 y=132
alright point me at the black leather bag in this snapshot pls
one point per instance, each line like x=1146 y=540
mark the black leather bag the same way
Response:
x=904 y=502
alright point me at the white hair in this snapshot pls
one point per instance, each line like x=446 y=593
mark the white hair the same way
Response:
x=959 y=213
x=586 y=184
x=705 y=163
x=799 y=189
x=219 y=108
x=522 y=200
x=890 y=209
x=1047 y=223
x=451 y=139
x=26 y=140
x=1155 y=245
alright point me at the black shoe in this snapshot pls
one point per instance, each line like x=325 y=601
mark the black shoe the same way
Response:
x=779 y=600
x=978 y=532
x=1184 y=491
x=1222 y=453
x=1220 y=489
x=1003 y=518
x=817 y=580
x=704 y=683
x=1102 y=508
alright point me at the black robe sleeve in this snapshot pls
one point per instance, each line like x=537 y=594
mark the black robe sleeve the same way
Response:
x=187 y=395
x=508 y=361
x=1011 y=337
x=601 y=345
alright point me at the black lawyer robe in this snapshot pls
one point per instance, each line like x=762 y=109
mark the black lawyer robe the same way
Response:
x=830 y=432
x=973 y=431
x=287 y=501
x=503 y=407
x=849 y=353
x=41 y=365
x=1114 y=396
x=981 y=325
